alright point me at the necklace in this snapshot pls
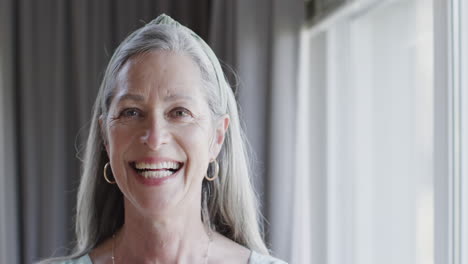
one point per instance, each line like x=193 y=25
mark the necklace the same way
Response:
x=210 y=239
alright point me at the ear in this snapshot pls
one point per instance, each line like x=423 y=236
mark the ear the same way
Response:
x=221 y=128
x=102 y=132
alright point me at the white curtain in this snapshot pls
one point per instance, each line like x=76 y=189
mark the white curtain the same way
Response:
x=367 y=144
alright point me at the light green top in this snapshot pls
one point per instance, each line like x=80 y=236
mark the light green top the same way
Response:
x=255 y=258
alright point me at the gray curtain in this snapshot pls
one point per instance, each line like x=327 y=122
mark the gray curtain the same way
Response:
x=262 y=37
x=58 y=52
x=9 y=246
x=62 y=48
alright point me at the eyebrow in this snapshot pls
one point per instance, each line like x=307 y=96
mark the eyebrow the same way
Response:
x=140 y=98
x=173 y=97
x=131 y=97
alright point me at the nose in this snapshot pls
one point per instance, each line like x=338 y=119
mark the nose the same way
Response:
x=155 y=134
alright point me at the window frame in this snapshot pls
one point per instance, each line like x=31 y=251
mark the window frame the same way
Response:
x=451 y=105
x=464 y=129
x=450 y=119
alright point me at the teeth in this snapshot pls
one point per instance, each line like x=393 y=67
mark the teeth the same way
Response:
x=157 y=166
x=156 y=174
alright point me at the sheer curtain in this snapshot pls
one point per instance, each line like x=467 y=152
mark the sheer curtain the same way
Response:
x=367 y=93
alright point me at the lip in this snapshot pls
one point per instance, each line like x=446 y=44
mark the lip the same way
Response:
x=156 y=181
x=155 y=160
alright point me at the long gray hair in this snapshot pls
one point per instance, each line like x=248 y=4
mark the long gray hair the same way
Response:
x=229 y=204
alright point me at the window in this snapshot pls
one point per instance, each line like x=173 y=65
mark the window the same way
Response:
x=369 y=105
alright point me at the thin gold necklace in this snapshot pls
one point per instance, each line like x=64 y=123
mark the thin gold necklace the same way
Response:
x=210 y=239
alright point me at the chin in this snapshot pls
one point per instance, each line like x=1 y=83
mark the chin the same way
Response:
x=155 y=200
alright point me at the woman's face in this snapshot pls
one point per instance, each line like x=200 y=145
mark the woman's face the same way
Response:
x=160 y=133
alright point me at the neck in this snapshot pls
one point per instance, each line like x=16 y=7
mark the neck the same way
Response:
x=165 y=238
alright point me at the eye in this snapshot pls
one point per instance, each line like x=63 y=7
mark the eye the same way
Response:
x=180 y=112
x=130 y=112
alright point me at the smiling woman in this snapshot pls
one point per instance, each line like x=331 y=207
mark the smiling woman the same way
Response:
x=156 y=138
x=166 y=176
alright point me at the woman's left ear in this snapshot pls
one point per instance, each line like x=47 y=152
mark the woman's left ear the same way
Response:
x=221 y=128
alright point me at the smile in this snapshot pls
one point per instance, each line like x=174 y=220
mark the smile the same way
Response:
x=156 y=170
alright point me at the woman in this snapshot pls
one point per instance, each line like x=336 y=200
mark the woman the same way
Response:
x=165 y=177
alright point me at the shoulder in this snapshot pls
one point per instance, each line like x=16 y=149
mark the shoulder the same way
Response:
x=224 y=250
x=256 y=258
x=227 y=251
x=81 y=260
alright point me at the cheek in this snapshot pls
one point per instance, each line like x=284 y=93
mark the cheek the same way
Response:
x=196 y=144
x=119 y=139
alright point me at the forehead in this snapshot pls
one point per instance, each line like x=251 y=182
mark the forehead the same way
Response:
x=160 y=71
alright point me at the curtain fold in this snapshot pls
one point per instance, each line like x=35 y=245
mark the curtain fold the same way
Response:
x=287 y=19
x=9 y=244
x=262 y=39
x=63 y=48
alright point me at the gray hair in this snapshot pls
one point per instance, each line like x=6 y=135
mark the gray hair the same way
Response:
x=229 y=204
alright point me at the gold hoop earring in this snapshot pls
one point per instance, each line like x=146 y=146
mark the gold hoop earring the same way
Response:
x=215 y=174
x=105 y=174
